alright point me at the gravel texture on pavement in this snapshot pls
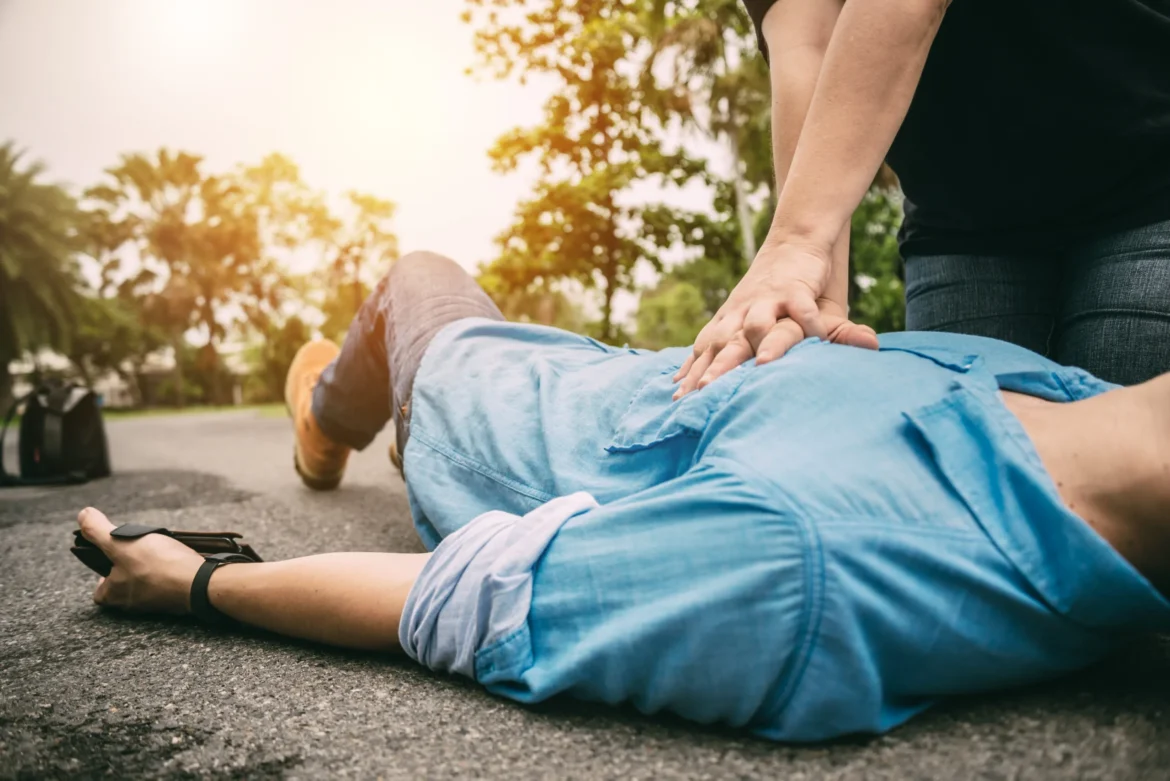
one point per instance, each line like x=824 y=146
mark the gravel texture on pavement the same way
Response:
x=88 y=694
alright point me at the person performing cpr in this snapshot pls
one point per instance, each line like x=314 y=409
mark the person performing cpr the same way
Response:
x=1032 y=142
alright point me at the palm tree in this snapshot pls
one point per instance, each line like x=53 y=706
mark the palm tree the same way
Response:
x=197 y=244
x=38 y=239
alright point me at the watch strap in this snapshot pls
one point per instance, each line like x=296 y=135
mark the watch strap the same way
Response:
x=201 y=606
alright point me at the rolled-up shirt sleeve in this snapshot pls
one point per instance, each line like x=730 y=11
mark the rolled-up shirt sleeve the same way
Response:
x=477 y=586
x=689 y=597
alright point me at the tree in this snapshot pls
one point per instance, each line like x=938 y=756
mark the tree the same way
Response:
x=359 y=245
x=598 y=138
x=272 y=358
x=112 y=337
x=671 y=316
x=535 y=304
x=290 y=218
x=877 y=295
x=196 y=244
x=38 y=241
x=712 y=273
x=718 y=86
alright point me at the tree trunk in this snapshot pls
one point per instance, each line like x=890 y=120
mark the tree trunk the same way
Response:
x=743 y=214
x=131 y=380
x=177 y=373
x=83 y=369
x=546 y=308
x=607 y=334
x=5 y=386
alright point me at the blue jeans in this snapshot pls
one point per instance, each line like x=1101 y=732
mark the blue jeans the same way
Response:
x=1103 y=306
x=371 y=380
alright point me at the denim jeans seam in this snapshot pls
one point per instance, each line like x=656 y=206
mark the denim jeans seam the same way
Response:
x=484 y=471
x=1072 y=318
x=964 y=320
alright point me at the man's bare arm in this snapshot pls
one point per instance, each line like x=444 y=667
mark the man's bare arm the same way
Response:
x=352 y=600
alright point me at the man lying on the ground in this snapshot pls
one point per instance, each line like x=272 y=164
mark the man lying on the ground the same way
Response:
x=823 y=545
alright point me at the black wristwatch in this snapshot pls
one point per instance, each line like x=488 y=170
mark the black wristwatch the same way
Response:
x=201 y=606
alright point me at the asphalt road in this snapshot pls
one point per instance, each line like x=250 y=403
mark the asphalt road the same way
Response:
x=85 y=694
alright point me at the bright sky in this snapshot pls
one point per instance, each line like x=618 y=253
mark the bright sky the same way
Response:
x=362 y=94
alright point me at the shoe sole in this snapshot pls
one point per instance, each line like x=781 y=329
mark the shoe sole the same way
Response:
x=316 y=483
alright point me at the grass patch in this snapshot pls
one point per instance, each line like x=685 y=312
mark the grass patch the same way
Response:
x=262 y=410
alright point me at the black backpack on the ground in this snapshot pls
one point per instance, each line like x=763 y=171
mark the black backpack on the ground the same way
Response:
x=62 y=437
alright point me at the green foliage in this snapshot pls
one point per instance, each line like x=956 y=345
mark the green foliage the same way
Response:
x=340 y=306
x=360 y=245
x=716 y=85
x=199 y=379
x=712 y=273
x=182 y=253
x=197 y=236
x=671 y=316
x=599 y=136
x=271 y=359
x=202 y=254
x=540 y=305
x=288 y=216
x=38 y=239
x=876 y=291
x=195 y=243
x=112 y=336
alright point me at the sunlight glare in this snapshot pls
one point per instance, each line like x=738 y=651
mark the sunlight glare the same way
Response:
x=186 y=28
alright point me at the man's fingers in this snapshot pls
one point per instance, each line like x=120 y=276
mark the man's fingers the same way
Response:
x=785 y=335
x=101 y=594
x=698 y=369
x=112 y=591
x=96 y=528
x=732 y=355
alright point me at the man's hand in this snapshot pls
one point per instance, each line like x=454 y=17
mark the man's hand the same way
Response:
x=779 y=302
x=152 y=574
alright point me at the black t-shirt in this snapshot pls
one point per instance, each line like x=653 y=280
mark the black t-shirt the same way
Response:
x=1036 y=124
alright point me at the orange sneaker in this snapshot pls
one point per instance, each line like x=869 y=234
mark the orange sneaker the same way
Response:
x=318 y=459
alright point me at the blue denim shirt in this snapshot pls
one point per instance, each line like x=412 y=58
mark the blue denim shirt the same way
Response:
x=826 y=544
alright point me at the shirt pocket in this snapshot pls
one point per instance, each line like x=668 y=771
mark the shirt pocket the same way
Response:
x=653 y=417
